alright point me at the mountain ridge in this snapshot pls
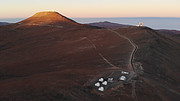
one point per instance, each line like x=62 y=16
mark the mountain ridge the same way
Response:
x=4 y=23
x=107 y=24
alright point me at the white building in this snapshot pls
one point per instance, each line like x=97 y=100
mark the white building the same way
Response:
x=105 y=83
x=97 y=84
x=123 y=78
x=140 y=24
x=123 y=72
x=101 y=79
x=110 y=79
x=101 y=89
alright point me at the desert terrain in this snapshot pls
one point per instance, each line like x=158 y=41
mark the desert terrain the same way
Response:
x=49 y=57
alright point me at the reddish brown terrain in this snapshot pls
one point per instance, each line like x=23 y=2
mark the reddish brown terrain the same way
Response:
x=49 y=57
x=173 y=34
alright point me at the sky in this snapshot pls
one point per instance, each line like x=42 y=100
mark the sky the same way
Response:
x=91 y=8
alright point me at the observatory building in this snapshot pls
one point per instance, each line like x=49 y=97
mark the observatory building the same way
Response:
x=140 y=24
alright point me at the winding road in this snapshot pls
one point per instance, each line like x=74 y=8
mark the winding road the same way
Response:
x=132 y=43
x=131 y=62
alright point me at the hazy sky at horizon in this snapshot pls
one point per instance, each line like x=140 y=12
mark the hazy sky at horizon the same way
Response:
x=91 y=8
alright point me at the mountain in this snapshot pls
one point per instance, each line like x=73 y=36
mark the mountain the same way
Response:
x=48 y=18
x=107 y=24
x=41 y=61
x=3 y=23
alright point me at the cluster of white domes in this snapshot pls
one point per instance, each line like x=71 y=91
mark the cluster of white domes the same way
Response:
x=101 y=83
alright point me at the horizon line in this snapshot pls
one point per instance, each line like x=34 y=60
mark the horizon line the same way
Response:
x=96 y=17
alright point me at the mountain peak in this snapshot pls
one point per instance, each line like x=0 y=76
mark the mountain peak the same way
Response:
x=48 y=18
x=46 y=13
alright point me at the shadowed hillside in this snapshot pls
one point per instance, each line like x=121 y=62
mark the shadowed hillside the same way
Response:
x=173 y=34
